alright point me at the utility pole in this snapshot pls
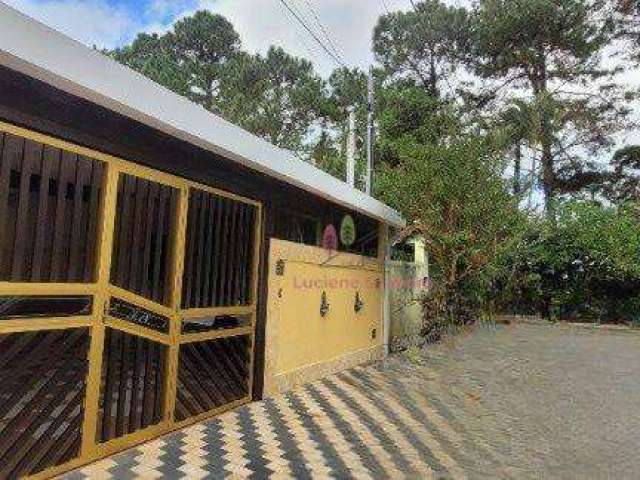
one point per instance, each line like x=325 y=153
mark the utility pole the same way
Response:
x=351 y=148
x=370 y=133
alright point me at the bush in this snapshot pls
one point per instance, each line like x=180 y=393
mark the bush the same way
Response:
x=585 y=266
x=451 y=185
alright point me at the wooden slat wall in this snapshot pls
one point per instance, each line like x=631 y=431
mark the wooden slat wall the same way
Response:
x=42 y=388
x=48 y=212
x=142 y=236
x=212 y=374
x=219 y=251
x=132 y=386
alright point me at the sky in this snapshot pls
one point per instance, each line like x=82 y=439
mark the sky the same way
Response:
x=260 y=23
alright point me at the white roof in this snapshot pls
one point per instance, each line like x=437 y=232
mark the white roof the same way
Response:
x=38 y=51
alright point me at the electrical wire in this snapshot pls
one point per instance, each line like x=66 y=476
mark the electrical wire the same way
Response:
x=313 y=34
x=324 y=30
x=313 y=53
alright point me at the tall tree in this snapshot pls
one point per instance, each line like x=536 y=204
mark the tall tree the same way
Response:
x=422 y=45
x=191 y=59
x=154 y=57
x=516 y=124
x=628 y=23
x=552 y=50
x=623 y=184
x=449 y=182
x=205 y=44
x=347 y=88
x=278 y=97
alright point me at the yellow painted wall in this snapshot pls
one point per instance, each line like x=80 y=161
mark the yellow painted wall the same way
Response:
x=300 y=343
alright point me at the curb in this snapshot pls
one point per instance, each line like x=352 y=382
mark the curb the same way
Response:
x=532 y=320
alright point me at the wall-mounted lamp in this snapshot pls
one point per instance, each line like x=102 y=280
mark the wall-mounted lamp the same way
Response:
x=358 y=304
x=324 y=305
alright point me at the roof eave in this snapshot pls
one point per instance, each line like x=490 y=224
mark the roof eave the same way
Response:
x=40 y=52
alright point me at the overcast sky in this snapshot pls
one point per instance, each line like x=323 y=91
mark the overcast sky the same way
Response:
x=109 y=23
x=260 y=23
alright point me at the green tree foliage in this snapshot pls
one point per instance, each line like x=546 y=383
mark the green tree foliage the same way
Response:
x=347 y=88
x=552 y=51
x=517 y=125
x=276 y=96
x=449 y=183
x=628 y=25
x=623 y=184
x=584 y=266
x=154 y=57
x=411 y=113
x=190 y=60
x=423 y=45
x=205 y=44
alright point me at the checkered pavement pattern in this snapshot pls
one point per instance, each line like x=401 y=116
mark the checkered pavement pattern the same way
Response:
x=379 y=421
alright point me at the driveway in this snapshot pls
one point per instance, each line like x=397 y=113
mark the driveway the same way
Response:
x=520 y=401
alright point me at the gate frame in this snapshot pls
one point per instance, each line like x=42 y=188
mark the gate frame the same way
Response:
x=101 y=290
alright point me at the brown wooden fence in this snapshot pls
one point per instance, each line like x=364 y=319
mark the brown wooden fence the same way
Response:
x=127 y=303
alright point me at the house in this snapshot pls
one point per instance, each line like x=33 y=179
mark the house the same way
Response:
x=158 y=265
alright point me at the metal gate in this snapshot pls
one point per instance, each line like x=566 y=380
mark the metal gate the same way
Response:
x=127 y=303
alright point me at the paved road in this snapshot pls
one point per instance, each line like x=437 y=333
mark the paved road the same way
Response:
x=523 y=401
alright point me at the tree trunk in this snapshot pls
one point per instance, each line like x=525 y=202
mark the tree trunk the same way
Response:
x=548 y=172
x=548 y=178
x=517 y=167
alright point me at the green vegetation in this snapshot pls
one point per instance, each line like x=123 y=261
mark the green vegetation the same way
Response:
x=585 y=266
x=483 y=113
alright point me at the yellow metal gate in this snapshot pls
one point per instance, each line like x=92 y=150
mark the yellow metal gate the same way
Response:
x=127 y=303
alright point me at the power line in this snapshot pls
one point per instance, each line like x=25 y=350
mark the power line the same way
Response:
x=324 y=30
x=313 y=34
x=386 y=7
x=301 y=36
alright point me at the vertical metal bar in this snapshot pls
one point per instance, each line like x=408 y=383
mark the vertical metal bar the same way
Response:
x=224 y=254
x=215 y=268
x=156 y=291
x=5 y=172
x=50 y=163
x=171 y=252
x=236 y=298
x=11 y=160
x=22 y=217
x=192 y=216
x=146 y=257
x=125 y=220
x=231 y=259
x=103 y=269
x=124 y=393
x=77 y=248
x=149 y=387
x=59 y=253
x=211 y=210
x=247 y=247
x=137 y=240
x=92 y=228
x=199 y=257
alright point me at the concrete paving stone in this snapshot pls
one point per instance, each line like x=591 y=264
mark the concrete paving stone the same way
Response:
x=515 y=402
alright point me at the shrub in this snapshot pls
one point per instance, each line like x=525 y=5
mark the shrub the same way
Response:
x=585 y=266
